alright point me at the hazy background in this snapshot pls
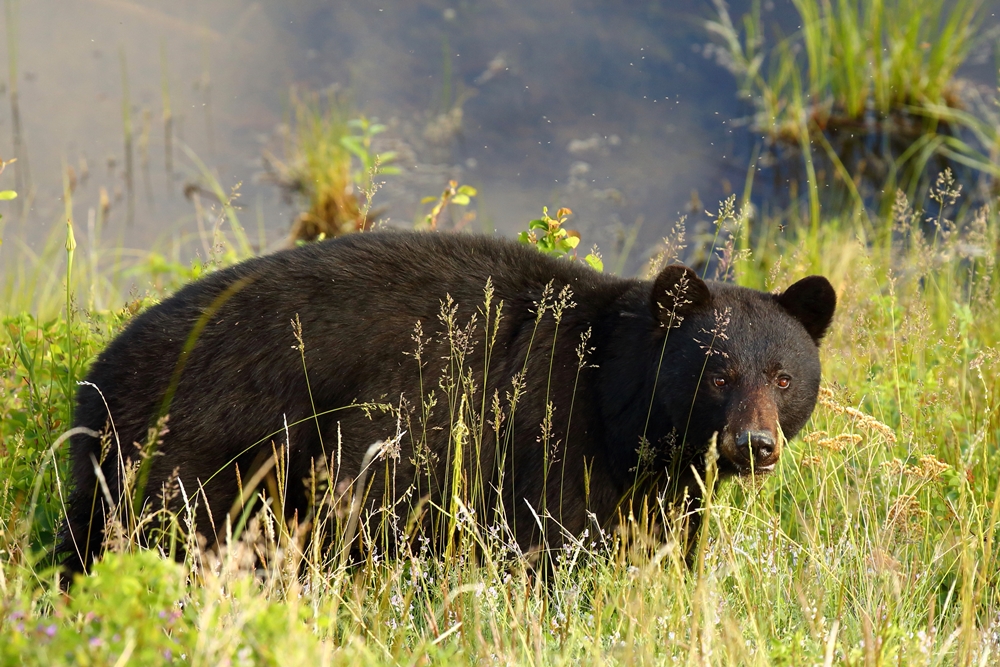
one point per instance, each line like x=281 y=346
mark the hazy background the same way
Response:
x=616 y=110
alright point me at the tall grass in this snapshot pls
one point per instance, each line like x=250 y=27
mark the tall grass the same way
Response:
x=874 y=542
x=875 y=76
x=859 y=57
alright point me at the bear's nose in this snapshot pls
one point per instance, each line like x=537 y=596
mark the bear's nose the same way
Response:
x=761 y=446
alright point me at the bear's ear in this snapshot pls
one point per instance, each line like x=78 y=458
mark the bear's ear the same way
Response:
x=678 y=291
x=811 y=301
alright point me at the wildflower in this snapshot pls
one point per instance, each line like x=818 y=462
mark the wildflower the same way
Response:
x=859 y=418
x=928 y=468
x=931 y=467
x=894 y=467
x=811 y=461
x=904 y=515
x=837 y=443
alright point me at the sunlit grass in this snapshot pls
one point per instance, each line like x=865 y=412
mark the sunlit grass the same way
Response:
x=874 y=542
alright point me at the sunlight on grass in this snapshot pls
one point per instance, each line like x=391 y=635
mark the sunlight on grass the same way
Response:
x=874 y=542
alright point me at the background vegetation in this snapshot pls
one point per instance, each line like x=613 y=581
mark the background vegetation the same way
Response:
x=867 y=91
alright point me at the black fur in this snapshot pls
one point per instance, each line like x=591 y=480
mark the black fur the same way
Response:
x=220 y=358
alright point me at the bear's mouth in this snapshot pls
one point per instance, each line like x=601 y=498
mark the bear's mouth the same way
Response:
x=728 y=467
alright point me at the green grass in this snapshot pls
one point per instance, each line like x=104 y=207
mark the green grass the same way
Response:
x=857 y=71
x=874 y=542
x=330 y=164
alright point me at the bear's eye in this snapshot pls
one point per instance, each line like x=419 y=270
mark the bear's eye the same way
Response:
x=783 y=381
x=719 y=381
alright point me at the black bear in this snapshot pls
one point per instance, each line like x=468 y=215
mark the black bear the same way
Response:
x=544 y=393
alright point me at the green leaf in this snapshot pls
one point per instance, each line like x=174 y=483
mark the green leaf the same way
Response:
x=538 y=224
x=428 y=200
x=524 y=238
x=467 y=190
x=460 y=199
x=595 y=262
x=570 y=242
x=354 y=146
x=6 y=195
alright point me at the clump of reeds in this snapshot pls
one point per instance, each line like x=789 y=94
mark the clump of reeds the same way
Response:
x=329 y=165
x=872 y=85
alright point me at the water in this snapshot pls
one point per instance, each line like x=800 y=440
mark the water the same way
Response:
x=613 y=110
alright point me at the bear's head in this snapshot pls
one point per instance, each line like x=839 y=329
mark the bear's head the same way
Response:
x=739 y=363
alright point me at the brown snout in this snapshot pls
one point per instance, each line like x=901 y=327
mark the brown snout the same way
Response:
x=751 y=443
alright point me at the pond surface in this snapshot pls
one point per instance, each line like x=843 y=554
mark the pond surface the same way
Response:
x=615 y=110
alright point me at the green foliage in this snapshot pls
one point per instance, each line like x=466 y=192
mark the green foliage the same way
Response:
x=331 y=164
x=167 y=275
x=550 y=237
x=41 y=361
x=873 y=542
x=858 y=55
x=359 y=143
x=885 y=66
x=458 y=195
x=129 y=604
x=139 y=609
x=74 y=271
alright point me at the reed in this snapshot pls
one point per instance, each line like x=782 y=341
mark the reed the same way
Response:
x=869 y=86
